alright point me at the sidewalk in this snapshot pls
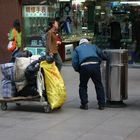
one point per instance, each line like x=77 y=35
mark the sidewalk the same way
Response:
x=134 y=65
x=29 y=122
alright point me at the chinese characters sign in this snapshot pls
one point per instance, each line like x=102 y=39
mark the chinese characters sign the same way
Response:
x=35 y=11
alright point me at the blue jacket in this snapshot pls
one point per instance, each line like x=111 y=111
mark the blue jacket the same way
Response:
x=85 y=52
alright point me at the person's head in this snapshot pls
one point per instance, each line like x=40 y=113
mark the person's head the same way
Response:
x=113 y=19
x=16 y=25
x=83 y=41
x=54 y=24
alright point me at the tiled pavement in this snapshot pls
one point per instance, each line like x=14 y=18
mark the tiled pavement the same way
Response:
x=29 y=122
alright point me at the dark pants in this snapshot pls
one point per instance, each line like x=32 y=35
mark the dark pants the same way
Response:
x=115 y=44
x=14 y=55
x=91 y=71
x=137 y=52
x=58 y=61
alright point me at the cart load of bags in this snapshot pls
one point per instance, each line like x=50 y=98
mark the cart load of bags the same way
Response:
x=22 y=78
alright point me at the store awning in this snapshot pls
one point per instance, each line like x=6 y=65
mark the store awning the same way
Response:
x=36 y=2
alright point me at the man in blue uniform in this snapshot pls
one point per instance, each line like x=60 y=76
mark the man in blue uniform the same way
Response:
x=86 y=60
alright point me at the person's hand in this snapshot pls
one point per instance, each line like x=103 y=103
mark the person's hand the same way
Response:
x=50 y=54
x=58 y=42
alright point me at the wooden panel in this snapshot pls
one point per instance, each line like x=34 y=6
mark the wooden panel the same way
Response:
x=10 y=10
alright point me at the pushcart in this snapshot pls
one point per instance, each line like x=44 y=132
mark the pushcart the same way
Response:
x=41 y=97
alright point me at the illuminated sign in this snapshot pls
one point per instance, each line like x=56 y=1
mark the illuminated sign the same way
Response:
x=35 y=11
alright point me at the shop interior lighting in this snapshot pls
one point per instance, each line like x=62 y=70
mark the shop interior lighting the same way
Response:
x=131 y=2
x=77 y=1
x=63 y=0
x=43 y=2
x=102 y=13
x=97 y=7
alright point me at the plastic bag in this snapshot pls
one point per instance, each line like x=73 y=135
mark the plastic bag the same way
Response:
x=7 y=82
x=54 y=84
x=21 y=63
x=11 y=46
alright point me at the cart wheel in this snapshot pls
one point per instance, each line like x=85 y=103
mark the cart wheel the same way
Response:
x=3 y=106
x=18 y=104
x=47 y=109
x=59 y=108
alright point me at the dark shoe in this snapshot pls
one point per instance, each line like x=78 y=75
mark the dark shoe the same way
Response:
x=101 y=107
x=84 y=107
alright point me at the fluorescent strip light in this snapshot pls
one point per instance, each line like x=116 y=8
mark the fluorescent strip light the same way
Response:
x=130 y=2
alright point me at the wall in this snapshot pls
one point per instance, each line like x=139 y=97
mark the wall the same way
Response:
x=10 y=10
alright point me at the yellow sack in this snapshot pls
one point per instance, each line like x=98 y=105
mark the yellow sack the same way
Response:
x=55 y=88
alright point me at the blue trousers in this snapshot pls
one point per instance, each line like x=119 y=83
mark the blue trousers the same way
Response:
x=91 y=71
x=58 y=61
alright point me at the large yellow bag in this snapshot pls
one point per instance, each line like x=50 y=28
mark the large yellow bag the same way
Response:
x=55 y=88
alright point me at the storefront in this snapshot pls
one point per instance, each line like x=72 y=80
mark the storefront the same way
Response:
x=36 y=16
x=73 y=16
x=79 y=17
x=124 y=12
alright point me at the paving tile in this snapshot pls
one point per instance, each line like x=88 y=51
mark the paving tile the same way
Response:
x=19 y=133
x=55 y=136
x=135 y=135
x=99 y=137
x=29 y=122
x=116 y=127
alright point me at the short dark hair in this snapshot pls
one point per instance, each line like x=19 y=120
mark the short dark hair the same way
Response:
x=52 y=22
x=16 y=25
x=50 y=25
